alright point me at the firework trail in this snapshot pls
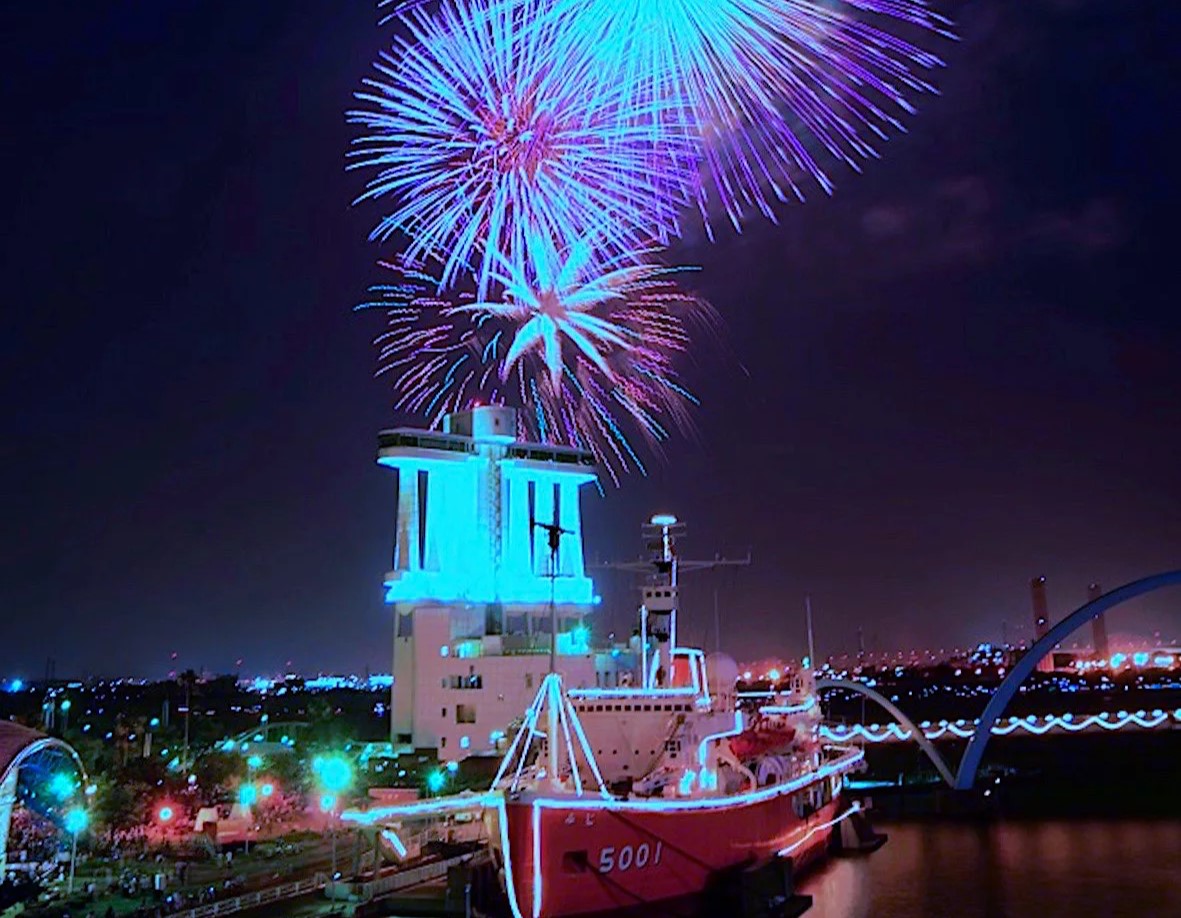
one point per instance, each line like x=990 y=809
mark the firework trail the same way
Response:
x=769 y=84
x=491 y=124
x=585 y=353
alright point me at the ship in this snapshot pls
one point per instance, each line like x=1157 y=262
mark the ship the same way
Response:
x=665 y=788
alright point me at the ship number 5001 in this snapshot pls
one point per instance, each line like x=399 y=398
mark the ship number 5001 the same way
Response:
x=627 y=857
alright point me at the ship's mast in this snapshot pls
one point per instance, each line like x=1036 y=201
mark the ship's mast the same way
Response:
x=658 y=611
x=811 y=639
x=554 y=533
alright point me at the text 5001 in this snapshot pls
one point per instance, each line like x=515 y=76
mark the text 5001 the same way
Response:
x=629 y=857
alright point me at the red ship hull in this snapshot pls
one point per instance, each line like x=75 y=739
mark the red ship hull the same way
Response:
x=585 y=859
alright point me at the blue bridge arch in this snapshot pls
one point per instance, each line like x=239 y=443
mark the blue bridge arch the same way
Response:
x=916 y=731
x=970 y=763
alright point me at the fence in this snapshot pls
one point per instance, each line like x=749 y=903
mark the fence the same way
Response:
x=254 y=899
x=402 y=879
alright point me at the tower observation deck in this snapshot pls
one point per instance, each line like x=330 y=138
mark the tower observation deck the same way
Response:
x=487 y=555
x=467 y=498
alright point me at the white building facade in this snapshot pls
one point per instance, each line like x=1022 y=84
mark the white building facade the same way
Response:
x=473 y=579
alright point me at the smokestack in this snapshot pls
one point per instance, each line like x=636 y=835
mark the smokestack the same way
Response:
x=1098 y=625
x=1041 y=619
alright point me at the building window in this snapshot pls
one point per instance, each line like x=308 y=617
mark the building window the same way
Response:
x=444 y=712
x=465 y=742
x=465 y=713
x=443 y=743
x=528 y=680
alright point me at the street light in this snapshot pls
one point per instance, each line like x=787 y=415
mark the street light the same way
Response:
x=62 y=786
x=76 y=821
x=247 y=797
x=335 y=775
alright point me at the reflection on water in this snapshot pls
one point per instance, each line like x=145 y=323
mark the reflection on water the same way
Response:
x=1008 y=870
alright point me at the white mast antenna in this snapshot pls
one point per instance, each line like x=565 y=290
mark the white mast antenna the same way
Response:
x=811 y=637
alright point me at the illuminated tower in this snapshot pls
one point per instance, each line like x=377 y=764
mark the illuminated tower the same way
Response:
x=1041 y=619
x=1098 y=625
x=473 y=577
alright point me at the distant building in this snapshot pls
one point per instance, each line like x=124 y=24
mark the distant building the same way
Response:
x=1098 y=625
x=1041 y=619
x=473 y=577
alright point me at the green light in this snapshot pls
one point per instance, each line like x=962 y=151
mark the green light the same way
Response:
x=62 y=786
x=268 y=789
x=166 y=814
x=335 y=774
x=435 y=781
x=255 y=761
x=76 y=820
x=247 y=795
x=154 y=722
x=328 y=803
x=67 y=704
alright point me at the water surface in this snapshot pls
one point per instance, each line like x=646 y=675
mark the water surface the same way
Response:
x=1039 y=869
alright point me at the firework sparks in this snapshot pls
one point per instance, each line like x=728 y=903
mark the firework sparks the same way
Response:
x=543 y=147
x=615 y=384
x=767 y=81
x=487 y=130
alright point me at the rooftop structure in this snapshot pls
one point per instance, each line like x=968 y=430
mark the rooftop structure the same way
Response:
x=468 y=498
x=487 y=554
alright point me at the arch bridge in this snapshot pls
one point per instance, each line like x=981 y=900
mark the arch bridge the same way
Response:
x=965 y=775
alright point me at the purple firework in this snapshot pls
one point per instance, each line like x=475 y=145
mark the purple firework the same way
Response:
x=768 y=84
x=491 y=124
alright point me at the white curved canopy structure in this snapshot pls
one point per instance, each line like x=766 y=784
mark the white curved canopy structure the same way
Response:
x=19 y=746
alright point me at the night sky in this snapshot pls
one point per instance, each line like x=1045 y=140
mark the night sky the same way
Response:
x=958 y=372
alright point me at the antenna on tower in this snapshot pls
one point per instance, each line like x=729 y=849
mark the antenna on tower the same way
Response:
x=554 y=533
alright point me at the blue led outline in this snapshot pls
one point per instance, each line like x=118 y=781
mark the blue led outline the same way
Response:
x=850 y=759
x=794 y=846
